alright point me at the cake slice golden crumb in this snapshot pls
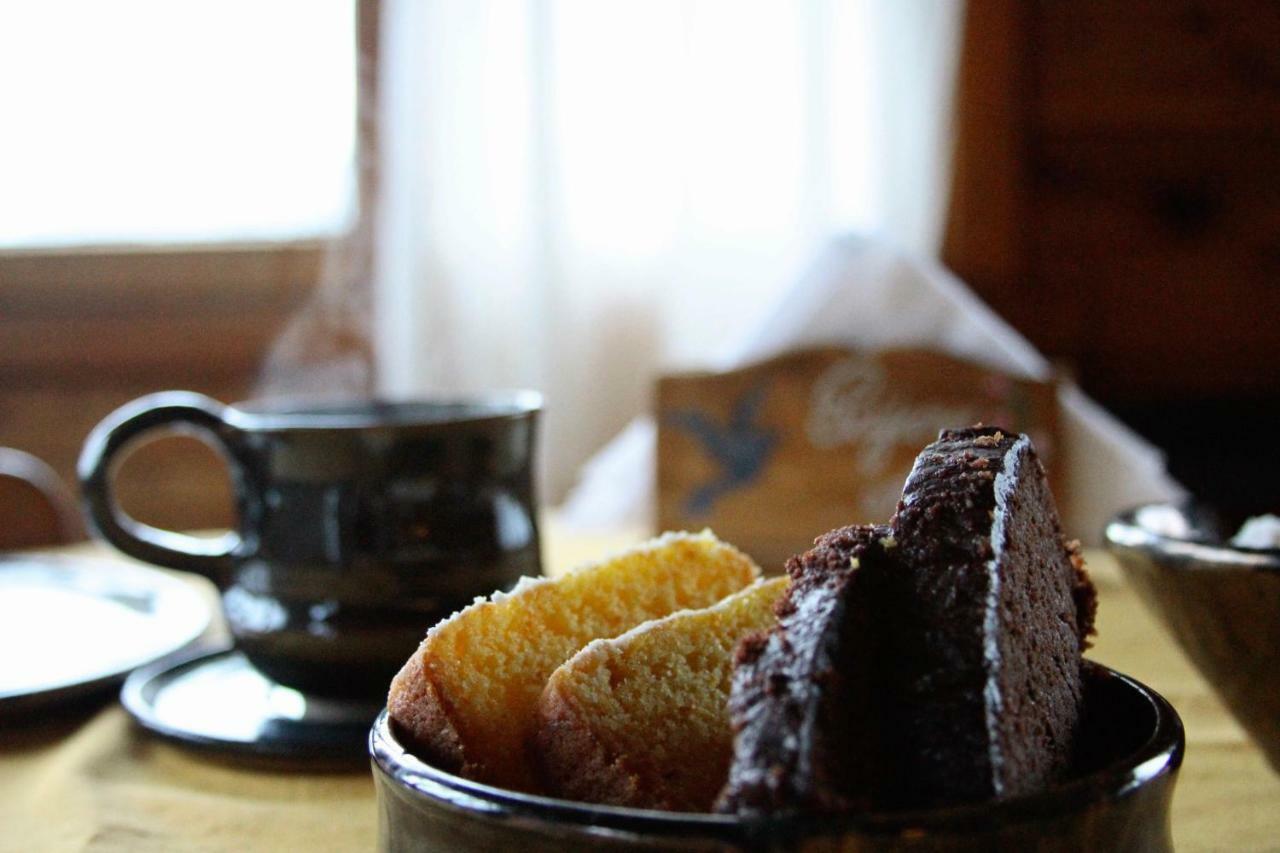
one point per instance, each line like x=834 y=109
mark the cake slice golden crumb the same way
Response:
x=466 y=700
x=642 y=720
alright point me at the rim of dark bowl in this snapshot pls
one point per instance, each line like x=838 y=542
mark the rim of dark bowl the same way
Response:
x=1194 y=544
x=1160 y=755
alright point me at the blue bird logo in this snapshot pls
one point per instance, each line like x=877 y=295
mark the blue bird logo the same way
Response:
x=741 y=447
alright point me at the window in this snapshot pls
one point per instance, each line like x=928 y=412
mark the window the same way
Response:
x=148 y=121
x=169 y=174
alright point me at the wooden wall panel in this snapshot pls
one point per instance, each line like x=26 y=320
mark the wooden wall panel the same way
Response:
x=984 y=238
x=1157 y=65
x=1117 y=199
x=83 y=333
x=1173 y=248
x=1133 y=231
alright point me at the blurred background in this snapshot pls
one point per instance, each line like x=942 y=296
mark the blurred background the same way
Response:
x=358 y=196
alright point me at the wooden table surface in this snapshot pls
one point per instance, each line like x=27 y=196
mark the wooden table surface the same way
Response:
x=88 y=779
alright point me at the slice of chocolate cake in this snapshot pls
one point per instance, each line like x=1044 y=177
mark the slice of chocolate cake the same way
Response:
x=802 y=723
x=995 y=611
x=949 y=668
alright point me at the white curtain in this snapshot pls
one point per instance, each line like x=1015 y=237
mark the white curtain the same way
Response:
x=578 y=194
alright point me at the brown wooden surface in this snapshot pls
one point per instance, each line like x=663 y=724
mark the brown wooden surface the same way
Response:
x=88 y=780
x=1116 y=196
x=985 y=239
x=84 y=332
x=832 y=435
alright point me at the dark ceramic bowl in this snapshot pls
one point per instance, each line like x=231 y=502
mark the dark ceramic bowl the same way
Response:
x=1222 y=604
x=1117 y=798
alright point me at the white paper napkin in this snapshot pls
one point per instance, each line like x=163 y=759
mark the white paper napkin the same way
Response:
x=863 y=294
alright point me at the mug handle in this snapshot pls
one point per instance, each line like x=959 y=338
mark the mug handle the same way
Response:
x=169 y=411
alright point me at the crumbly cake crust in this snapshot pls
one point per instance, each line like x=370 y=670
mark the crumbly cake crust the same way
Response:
x=804 y=728
x=465 y=700
x=949 y=643
x=640 y=720
x=989 y=681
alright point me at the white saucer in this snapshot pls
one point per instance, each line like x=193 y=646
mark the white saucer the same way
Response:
x=71 y=626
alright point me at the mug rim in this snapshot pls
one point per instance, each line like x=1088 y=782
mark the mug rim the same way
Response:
x=379 y=411
x=1159 y=755
x=1128 y=530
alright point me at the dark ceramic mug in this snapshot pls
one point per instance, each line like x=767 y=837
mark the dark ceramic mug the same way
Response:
x=359 y=524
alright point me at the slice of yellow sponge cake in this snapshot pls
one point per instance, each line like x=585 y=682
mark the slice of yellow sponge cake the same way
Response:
x=466 y=700
x=642 y=720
